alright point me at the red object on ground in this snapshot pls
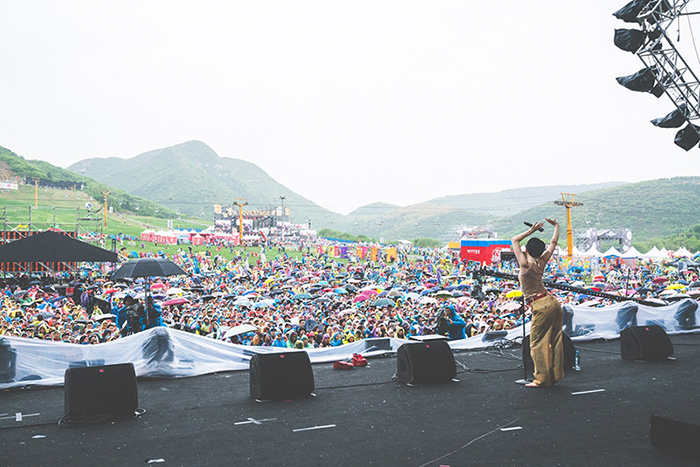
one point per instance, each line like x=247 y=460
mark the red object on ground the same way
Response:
x=343 y=366
x=358 y=360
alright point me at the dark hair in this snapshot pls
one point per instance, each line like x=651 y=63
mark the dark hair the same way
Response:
x=535 y=247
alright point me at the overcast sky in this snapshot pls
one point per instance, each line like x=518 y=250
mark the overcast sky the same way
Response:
x=346 y=103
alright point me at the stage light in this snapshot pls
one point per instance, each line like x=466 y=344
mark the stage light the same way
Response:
x=641 y=81
x=687 y=137
x=629 y=12
x=657 y=90
x=629 y=40
x=674 y=119
x=665 y=72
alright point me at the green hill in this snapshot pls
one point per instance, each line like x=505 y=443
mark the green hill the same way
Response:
x=191 y=178
x=651 y=209
x=509 y=202
x=43 y=207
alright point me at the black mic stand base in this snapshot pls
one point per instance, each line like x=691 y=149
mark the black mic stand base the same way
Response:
x=523 y=380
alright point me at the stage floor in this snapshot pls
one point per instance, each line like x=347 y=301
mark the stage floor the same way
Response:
x=361 y=417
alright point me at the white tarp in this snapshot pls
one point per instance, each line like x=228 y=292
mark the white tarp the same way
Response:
x=165 y=352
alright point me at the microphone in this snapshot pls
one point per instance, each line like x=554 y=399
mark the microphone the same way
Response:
x=541 y=229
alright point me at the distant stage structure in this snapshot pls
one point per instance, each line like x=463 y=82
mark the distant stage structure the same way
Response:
x=476 y=232
x=590 y=238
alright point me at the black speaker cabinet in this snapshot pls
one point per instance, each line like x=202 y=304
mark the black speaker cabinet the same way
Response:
x=283 y=375
x=569 y=354
x=645 y=343
x=107 y=390
x=425 y=362
x=675 y=437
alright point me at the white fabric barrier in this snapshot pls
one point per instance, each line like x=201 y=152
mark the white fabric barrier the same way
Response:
x=164 y=352
x=158 y=352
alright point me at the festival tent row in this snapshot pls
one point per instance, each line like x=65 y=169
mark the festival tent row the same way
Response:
x=173 y=237
x=168 y=352
x=633 y=253
x=372 y=252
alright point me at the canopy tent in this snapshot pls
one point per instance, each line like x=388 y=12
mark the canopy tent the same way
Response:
x=612 y=251
x=654 y=253
x=683 y=253
x=559 y=251
x=592 y=253
x=50 y=247
x=632 y=253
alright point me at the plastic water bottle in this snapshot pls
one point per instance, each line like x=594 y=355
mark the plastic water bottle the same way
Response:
x=577 y=362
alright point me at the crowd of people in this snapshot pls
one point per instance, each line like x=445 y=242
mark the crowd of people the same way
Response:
x=309 y=300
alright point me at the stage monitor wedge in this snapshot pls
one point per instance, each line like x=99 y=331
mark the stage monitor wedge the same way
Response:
x=100 y=391
x=645 y=343
x=425 y=362
x=675 y=437
x=281 y=375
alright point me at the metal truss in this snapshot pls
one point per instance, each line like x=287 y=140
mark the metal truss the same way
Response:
x=672 y=72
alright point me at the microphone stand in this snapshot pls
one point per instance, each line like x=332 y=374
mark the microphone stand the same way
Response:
x=524 y=379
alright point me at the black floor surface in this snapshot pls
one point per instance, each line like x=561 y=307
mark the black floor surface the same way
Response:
x=361 y=417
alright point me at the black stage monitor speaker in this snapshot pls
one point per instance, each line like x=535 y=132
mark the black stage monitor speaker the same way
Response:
x=569 y=354
x=100 y=391
x=645 y=343
x=425 y=362
x=675 y=437
x=283 y=375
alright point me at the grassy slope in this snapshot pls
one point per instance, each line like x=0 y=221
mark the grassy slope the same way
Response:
x=191 y=177
x=508 y=202
x=652 y=209
x=67 y=208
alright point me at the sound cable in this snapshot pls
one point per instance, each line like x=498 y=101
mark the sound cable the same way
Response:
x=597 y=350
x=67 y=422
x=466 y=369
x=355 y=385
x=63 y=423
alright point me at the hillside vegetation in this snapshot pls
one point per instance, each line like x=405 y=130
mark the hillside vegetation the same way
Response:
x=191 y=178
x=651 y=209
x=15 y=166
x=41 y=207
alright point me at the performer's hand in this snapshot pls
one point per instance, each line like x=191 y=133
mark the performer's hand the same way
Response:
x=551 y=221
x=536 y=226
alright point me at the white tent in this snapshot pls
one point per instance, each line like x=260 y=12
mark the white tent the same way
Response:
x=559 y=251
x=683 y=252
x=663 y=253
x=612 y=251
x=654 y=253
x=592 y=253
x=632 y=253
